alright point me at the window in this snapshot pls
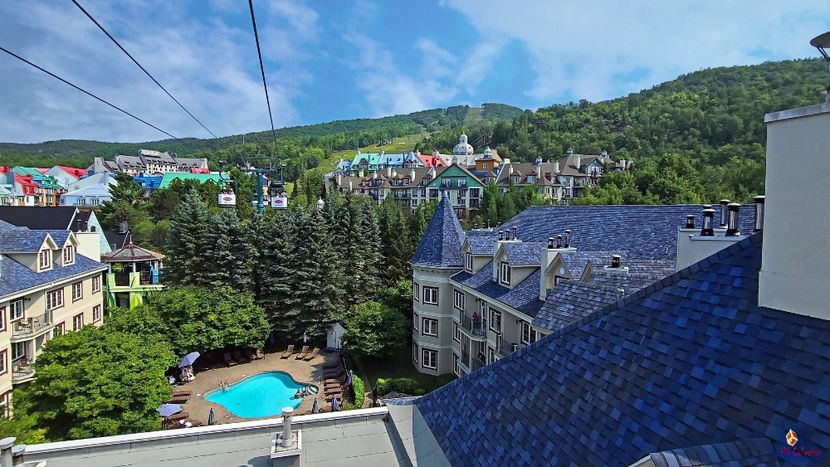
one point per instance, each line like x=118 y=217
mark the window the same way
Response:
x=429 y=327
x=18 y=350
x=428 y=359
x=504 y=273
x=54 y=299
x=537 y=335
x=4 y=363
x=69 y=254
x=96 y=284
x=96 y=313
x=475 y=192
x=455 y=367
x=77 y=291
x=491 y=355
x=458 y=299
x=415 y=352
x=58 y=330
x=526 y=333
x=4 y=402
x=468 y=262
x=430 y=295
x=45 y=259
x=77 y=322
x=16 y=310
x=2 y=319
x=456 y=332
x=415 y=292
x=495 y=320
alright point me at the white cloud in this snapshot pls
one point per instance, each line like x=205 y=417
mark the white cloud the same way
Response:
x=208 y=64
x=600 y=49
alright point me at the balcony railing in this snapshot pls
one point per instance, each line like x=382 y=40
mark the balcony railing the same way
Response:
x=22 y=371
x=33 y=325
x=465 y=359
x=476 y=327
x=477 y=362
x=505 y=347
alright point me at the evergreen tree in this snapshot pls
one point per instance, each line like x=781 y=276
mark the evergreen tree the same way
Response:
x=186 y=262
x=396 y=246
x=275 y=265
x=366 y=253
x=338 y=220
x=229 y=253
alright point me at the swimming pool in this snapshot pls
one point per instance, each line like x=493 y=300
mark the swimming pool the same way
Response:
x=261 y=395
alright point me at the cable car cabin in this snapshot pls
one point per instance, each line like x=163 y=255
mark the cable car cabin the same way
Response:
x=227 y=198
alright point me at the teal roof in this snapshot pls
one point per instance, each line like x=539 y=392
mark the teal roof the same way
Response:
x=372 y=158
x=168 y=178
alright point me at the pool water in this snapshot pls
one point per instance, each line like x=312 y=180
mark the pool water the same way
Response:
x=261 y=395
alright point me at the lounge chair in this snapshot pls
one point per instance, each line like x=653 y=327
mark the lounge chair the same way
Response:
x=228 y=360
x=259 y=354
x=302 y=353
x=178 y=399
x=182 y=392
x=237 y=355
x=311 y=355
x=288 y=352
x=177 y=416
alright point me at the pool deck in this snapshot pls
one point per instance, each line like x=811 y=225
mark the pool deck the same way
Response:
x=207 y=380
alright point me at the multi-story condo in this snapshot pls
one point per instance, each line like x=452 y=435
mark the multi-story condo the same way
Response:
x=48 y=286
x=149 y=162
x=58 y=218
x=482 y=295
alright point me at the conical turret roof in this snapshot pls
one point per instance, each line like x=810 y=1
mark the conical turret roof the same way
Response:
x=441 y=245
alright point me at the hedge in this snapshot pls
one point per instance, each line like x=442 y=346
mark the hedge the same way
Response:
x=359 y=387
x=402 y=385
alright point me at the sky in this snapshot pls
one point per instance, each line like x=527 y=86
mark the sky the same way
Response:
x=341 y=59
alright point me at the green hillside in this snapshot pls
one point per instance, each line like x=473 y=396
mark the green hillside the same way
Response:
x=696 y=138
x=352 y=134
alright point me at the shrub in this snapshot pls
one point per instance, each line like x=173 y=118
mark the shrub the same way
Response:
x=402 y=385
x=359 y=388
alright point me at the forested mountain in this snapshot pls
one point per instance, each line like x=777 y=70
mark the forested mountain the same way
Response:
x=341 y=134
x=698 y=137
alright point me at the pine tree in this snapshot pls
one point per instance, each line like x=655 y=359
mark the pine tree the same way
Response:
x=366 y=253
x=337 y=217
x=275 y=276
x=185 y=261
x=229 y=253
x=396 y=246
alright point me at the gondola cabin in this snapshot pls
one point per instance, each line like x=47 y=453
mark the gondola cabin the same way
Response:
x=227 y=198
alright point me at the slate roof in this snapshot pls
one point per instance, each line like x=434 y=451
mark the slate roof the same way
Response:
x=524 y=296
x=757 y=452
x=20 y=239
x=441 y=244
x=131 y=253
x=687 y=361
x=38 y=217
x=481 y=242
x=645 y=231
x=523 y=253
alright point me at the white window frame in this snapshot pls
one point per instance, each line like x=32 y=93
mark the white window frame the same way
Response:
x=433 y=358
x=504 y=273
x=21 y=353
x=430 y=295
x=4 y=361
x=415 y=320
x=415 y=350
x=96 y=284
x=2 y=318
x=77 y=291
x=468 y=261
x=456 y=332
x=69 y=254
x=45 y=259
x=78 y=322
x=15 y=307
x=526 y=333
x=59 y=330
x=455 y=368
x=97 y=315
x=429 y=327
x=54 y=299
x=495 y=317
x=416 y=291
x=458 y=299
x=537 y=335
x=491 y=355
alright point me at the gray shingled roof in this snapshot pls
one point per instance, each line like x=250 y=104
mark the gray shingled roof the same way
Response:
x=523 y=253
x=20 y=239
x=441 y=244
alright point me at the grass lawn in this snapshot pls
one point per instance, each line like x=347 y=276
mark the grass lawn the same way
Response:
x=398 y=365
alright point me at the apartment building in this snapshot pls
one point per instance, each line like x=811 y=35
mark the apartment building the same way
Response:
x=481 y=295
x=149 y=162
x=47 y=287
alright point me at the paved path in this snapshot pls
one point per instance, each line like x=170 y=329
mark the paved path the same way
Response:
x=302 y=371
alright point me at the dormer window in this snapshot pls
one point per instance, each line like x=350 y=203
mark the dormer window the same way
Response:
x=504 y=273
x=45 y=259
x=531 y=179
x=468 y=262
x=69 y=255
x=514 y=179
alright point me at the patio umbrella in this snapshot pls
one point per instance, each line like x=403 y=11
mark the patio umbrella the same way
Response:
x=212 y=417
x=305 y=338
x=349 y=378
x=189 y=359
x=315 y=408
x=335 y=406
x=167 y=410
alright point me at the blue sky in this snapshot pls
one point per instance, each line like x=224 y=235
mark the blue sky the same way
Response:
x=329 y=60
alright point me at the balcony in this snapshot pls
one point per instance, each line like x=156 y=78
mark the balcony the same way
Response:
x=22 y=371
x=477 y=362
x=505 y=347
x=450 y=183
x=136 y=279
x=29 y=327
x=473 y=327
